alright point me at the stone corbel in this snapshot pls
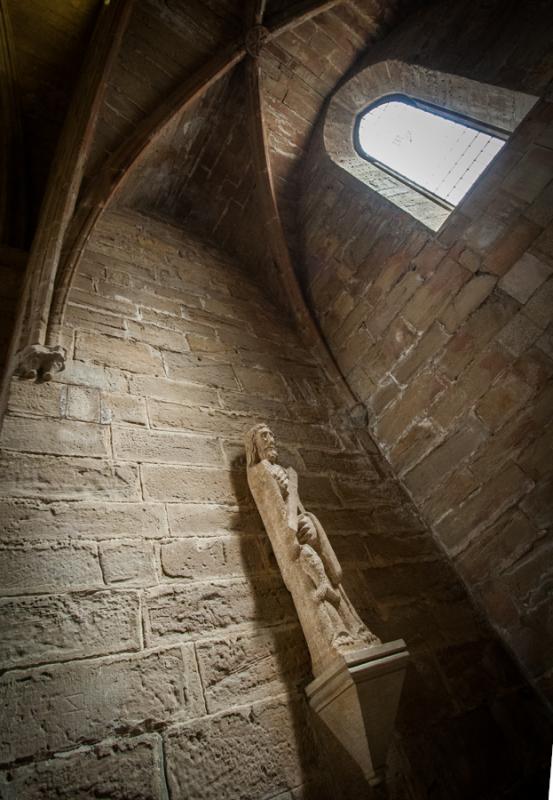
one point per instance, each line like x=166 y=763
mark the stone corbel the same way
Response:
x=39 y=363
x=357 y=700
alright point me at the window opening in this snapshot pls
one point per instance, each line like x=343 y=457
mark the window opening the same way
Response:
x=438 y=152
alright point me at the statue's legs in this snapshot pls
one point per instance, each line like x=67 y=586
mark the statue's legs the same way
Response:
x=353 y=621
x=313 y=567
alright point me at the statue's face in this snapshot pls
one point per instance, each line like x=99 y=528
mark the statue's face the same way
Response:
x=265 y=442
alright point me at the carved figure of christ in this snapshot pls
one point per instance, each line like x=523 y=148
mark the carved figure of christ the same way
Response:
x=308 y=564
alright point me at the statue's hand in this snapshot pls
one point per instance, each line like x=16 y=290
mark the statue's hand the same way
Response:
x=307 y=533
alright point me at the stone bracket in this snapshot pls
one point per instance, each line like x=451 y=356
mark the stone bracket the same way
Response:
x=357 y=698
x=39 y=363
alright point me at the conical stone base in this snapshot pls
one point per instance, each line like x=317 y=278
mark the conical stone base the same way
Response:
x=357 y=699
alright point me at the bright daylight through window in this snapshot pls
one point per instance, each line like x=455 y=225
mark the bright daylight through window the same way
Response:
x=439 y=153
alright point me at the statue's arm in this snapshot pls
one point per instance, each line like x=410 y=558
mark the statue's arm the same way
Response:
x=274 y=510
x=292 y=499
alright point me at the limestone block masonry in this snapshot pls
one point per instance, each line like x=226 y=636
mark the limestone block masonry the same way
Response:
x=150 y=647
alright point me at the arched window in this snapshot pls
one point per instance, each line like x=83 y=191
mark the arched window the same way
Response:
x=418 y=137
x=437 y=152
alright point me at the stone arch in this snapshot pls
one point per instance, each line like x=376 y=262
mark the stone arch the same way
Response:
x=484 y=102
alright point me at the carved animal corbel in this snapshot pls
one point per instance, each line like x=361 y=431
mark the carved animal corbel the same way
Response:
x=39 y=363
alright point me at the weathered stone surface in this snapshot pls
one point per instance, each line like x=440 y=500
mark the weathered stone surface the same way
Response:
x=483 y=507
x=413 y=445
x=448 y=456
x=58 y=706
x=44 y=399
x=539 y=308
x=83 y=403
x=256 y=381
x=60 y=627
x=211 y=557
x=190 y=484
x=525 y=277
x=532 y=173
x=417 y=398
x=128 y=562
x=256 y=751
x=503 y=400
x=519 y=334
x=468 y=389
x=200 y=608
x=161 y=338
x=469 y=298
x=49 y=567
x=184 y=417
x=179 y=368
x=65 y=478
x=511 y=246
x=29 y=520
x=529 y=578
x=432 y=297
x=348 y=463
x=122 y=769
x=139 y=445
x=59 y=437
x=122 y=408
x=193 y=519
x=114 y=352
x=476 y=332
x=497 y=547
x=538 y=505
x=172 y=391
x=253 y=666
x=86 y=374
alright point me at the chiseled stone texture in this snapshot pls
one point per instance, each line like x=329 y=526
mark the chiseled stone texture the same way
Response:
x=201 y=608
x=119 y=769
x=57 y=706
x=245 y=667
x=50 y=627
x=246 y=753
x=47 y=567
x=139 y=596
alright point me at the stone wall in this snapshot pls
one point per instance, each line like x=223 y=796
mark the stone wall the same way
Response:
x=150 y=649
x=448 y=338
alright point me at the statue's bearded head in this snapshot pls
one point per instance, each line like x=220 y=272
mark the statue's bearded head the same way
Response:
x=260 y=445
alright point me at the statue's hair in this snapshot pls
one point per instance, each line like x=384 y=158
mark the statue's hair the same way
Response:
x=252 y=454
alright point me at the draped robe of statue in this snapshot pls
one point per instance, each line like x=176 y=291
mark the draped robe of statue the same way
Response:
x=308 y=564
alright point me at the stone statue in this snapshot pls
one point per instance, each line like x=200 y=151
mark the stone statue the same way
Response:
x=39 y=363
x=304 y=555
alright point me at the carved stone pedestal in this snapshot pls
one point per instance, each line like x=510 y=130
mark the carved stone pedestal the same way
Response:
x=357 y=697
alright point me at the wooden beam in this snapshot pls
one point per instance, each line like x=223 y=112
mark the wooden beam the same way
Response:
x=117 y=167
x=13 y=215
x=276 y=237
